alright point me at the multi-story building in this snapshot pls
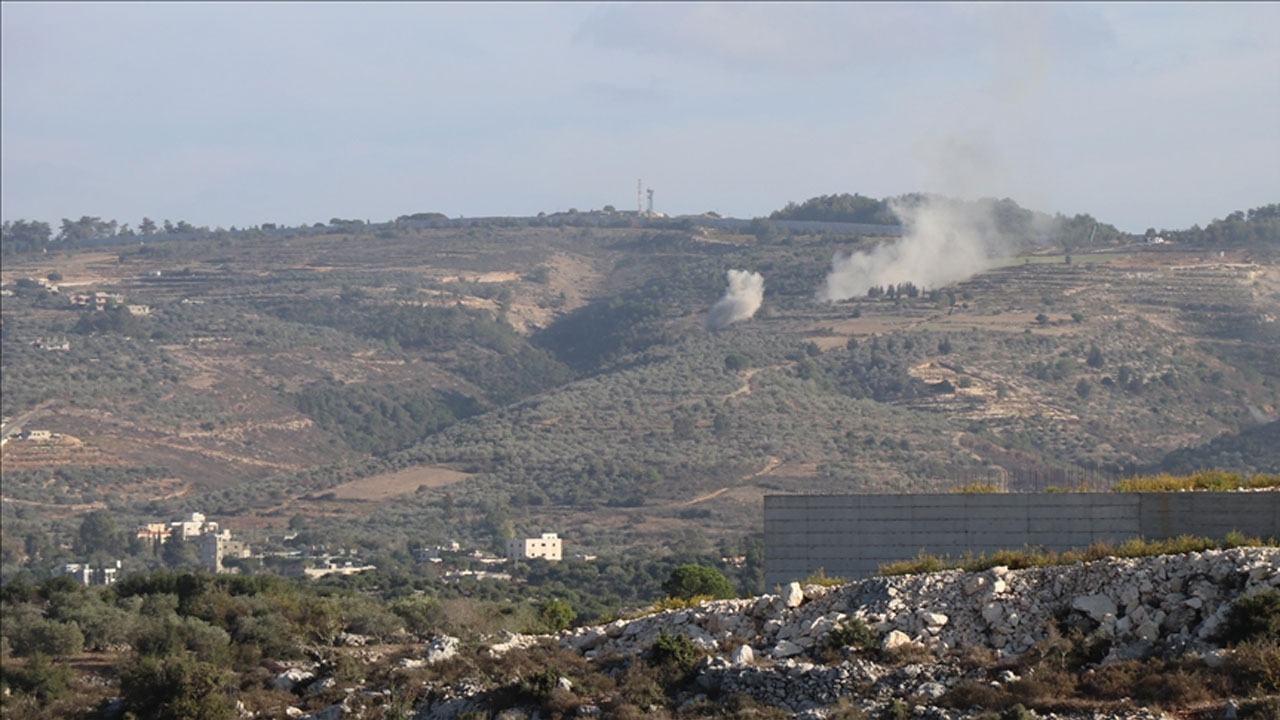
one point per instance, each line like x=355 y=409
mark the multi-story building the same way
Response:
x=547 y=547
x=215 y=546
x=193 y=527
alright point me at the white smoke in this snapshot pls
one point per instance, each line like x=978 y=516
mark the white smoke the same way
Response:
x=943 y=241
x=740 y=301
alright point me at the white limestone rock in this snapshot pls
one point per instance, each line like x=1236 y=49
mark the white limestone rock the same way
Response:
x=1095 y=606
x=794 y=595
x=291 y=678
x=442 y=648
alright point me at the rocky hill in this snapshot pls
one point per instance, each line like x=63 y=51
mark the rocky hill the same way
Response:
x=1098 y=640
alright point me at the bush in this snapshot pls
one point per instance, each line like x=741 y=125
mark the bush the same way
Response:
x=174 y=687
x=896 y=710
x=556 y=615
x=676 y=651
x=1255 y=666
x=855 y=634
x=1254 y=616
x=820 y=578
x=40 y=679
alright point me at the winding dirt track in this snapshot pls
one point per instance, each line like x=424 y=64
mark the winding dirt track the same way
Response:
x=771 y=463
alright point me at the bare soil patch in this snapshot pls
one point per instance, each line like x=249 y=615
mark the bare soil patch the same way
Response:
x=401 y=482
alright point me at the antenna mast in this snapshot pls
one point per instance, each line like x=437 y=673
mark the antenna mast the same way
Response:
x=639 y=207
x=650 y=191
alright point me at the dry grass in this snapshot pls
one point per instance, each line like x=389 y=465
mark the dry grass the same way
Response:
x=1212 y=480
x=377 y=488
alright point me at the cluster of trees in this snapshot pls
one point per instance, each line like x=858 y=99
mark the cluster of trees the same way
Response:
x=1007 y=216
x=1260 y=225
x=21 y=236
x=380 y=418
x=839 y=208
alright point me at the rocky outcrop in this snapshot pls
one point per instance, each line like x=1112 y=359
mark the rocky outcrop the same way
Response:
x=763 y=647
x=1171 y=600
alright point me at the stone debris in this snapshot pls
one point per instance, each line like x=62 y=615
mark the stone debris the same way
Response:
x=762 y=647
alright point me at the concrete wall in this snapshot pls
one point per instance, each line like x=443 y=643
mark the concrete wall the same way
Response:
x=852 y=535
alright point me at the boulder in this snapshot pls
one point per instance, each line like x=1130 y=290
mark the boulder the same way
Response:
x=1095 y=606
x=744 y=655
x=895 y=638
x=442 y=648
x=291 y=678
x=793 y=595
x=785 y=649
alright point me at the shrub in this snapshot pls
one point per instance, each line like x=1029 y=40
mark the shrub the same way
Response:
x=896 y=710
x=174 y=687
x=40 y=679
x=1255 y=666
x=855 y=634
x=556 y=615
x=676 y=651
x=922 y=563
x=1254 y=616
x=820 y=578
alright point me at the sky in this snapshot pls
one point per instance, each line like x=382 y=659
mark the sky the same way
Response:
x=233 y=114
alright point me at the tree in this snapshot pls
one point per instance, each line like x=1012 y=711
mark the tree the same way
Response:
x=1083 y=388
x=688 y=581
x=174 y=687
x=1042 y=319
x=99 y=533
x=1095 y=359
x=180 y=554
x=556 y=614
x=147 y=226
x=24 y=235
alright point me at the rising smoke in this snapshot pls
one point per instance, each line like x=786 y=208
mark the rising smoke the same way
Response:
x=943 y=241
x=740 y=301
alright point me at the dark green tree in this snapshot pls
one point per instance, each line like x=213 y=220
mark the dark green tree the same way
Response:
x=99 y=534
x=175 y=687
x=687 y=581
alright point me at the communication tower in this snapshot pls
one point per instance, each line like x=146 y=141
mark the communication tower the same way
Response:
x=650 y=191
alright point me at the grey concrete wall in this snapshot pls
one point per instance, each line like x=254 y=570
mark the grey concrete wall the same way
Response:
x=852 y=535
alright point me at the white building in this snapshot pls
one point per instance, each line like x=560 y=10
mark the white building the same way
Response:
x=86 y=574
x=547 y=547
x=193 y=527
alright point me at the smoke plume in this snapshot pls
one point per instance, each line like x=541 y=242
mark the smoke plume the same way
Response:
x=740 y=301
x=943 y=241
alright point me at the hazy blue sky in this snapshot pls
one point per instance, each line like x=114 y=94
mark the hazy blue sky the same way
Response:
x=241 y=113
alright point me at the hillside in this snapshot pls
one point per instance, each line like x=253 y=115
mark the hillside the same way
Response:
x=1151 y=638
x=413 y=383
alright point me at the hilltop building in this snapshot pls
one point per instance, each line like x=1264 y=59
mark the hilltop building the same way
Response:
x=547 y=547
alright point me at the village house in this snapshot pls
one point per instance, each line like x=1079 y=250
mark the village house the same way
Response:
x=97 y=301
x=86 y=574
x=547 y=547
x=48 y=344
x=193 y=527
